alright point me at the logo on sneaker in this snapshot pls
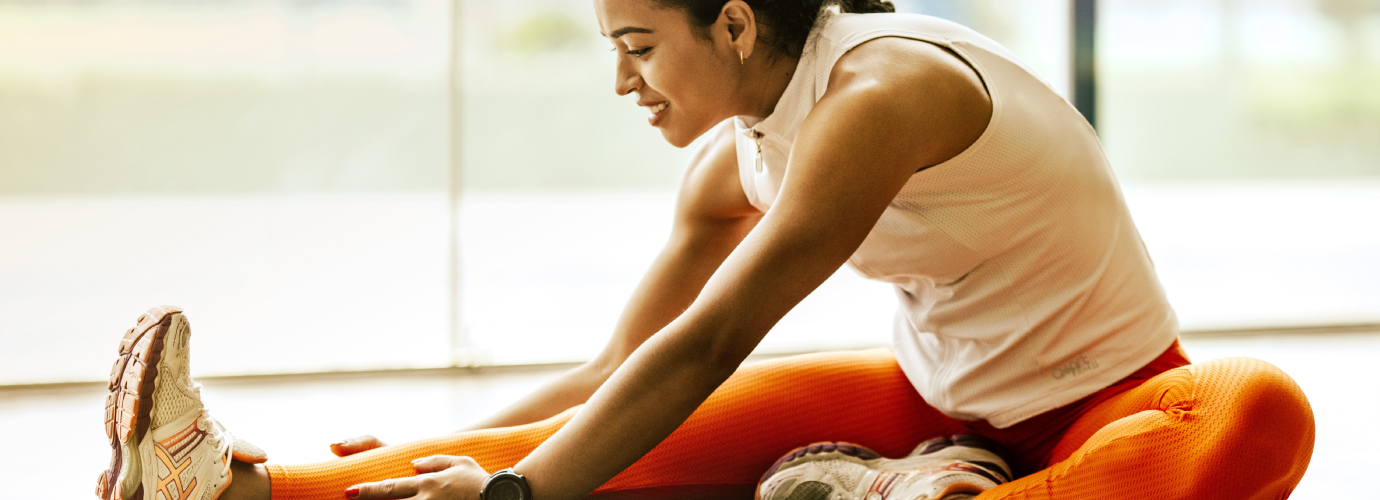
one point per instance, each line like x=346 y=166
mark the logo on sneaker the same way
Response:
x=180 y=445
x=174 y=453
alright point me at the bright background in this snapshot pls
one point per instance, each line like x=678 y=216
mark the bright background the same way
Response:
x=283 y=169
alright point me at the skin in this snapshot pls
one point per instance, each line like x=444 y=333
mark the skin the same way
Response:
x=729 y=272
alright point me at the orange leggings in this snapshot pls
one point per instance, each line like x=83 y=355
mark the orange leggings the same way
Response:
x=1229 y=428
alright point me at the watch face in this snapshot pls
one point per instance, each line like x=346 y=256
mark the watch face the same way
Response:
x=505 y=488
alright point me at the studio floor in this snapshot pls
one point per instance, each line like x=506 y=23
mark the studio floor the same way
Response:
x=57 y=444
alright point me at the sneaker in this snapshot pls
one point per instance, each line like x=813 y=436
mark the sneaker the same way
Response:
x=164 y=444
x=955 y=468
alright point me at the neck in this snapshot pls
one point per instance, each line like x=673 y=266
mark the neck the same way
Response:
x=764 y=80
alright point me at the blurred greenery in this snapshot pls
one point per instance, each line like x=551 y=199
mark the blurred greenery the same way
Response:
x=1205 y=125
x=546 y=31
x=540 y=113
x=124 y=132
x=1333 y=97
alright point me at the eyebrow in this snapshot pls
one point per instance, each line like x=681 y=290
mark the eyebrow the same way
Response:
x=623 y=31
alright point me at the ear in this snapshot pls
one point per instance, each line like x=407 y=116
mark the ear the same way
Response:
x=737 y=25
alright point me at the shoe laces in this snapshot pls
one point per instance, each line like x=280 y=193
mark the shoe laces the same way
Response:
x=218 y=438
x=214 y=431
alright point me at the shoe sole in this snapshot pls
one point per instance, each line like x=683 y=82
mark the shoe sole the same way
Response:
x=824 y=450
x=838 y=450
x=936 y=446
x=130 y=400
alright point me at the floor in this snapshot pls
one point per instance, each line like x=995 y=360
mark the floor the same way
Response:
x=294 y=417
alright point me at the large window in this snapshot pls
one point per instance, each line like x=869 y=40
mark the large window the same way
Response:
x=277 y=168
x=293 y=175
x=1248 y=136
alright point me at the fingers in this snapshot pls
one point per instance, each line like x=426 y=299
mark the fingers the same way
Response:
x=438 y=476
x=437 y=463
x=355 y=445
x=387 y=489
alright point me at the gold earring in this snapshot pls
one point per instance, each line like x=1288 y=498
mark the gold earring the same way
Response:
x=740 y=58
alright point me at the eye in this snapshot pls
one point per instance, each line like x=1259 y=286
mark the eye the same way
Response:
x=637 y=52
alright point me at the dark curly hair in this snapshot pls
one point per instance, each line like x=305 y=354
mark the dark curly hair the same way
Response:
x=785 y=24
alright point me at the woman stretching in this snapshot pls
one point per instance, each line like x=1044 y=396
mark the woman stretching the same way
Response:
x=1034 y=354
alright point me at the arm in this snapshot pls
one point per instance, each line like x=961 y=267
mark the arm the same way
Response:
x=852 y=156
x=854 y=153
x=712 y=217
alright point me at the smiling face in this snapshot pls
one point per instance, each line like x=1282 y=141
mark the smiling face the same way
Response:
x=687 y=82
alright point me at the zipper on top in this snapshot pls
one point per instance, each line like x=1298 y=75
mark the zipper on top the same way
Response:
x=756 y=137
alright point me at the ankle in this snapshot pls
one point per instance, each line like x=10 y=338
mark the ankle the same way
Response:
x=248 y=482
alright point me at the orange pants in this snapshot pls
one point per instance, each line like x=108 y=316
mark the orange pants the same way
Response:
x=1229 y=428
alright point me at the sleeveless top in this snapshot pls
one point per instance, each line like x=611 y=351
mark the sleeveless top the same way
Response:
x=1023 y=283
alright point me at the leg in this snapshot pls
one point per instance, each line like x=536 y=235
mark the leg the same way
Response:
x=1228 y=428
x=760 y=413
x=250 y=482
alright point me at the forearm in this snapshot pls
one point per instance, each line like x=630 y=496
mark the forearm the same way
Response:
x=669 y=287
x=570 y=389
x=643 y=403
x=671 y=374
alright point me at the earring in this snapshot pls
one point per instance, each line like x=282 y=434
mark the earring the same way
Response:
x=740 y=58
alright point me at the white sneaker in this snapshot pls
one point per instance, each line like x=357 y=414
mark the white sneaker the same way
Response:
x=165 y=445
x=938 y=469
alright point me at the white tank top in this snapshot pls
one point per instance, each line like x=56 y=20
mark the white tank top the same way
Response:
x=1024 y=285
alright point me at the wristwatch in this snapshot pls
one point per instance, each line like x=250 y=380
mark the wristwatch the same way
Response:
x=505 y=485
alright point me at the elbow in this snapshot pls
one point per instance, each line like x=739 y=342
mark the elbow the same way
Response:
x=599 y=369
x=716 y=339
x=721 y=353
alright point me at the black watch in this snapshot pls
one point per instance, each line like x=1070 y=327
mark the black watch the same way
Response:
x=505 y=485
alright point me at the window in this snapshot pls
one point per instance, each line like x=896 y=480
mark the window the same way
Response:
x=284 y=171
x=1247 y=135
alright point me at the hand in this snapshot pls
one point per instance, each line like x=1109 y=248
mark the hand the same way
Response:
x=347 y=447
x=439 y=477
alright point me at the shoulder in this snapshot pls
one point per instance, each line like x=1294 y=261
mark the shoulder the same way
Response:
x=912 y=90
x=710 y=189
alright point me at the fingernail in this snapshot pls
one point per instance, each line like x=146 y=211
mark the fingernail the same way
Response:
x=352 y=491
x=338 y=443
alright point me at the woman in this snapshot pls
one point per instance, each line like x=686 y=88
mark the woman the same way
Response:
x=916 y=151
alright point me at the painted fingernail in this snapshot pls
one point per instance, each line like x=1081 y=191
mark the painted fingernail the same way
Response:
x=352 y=491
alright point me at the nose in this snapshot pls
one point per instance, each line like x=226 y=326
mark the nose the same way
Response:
x=625 y=80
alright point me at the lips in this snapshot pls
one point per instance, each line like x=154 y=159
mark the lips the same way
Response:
x=656 y=112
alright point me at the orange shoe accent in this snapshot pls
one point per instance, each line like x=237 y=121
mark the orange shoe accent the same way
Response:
x=180 y=444
x=183 y=491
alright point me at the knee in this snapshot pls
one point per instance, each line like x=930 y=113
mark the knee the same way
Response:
x=1258 y=423
x=1250 y=393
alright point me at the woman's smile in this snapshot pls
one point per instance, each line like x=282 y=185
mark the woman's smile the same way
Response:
x=656 y=113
